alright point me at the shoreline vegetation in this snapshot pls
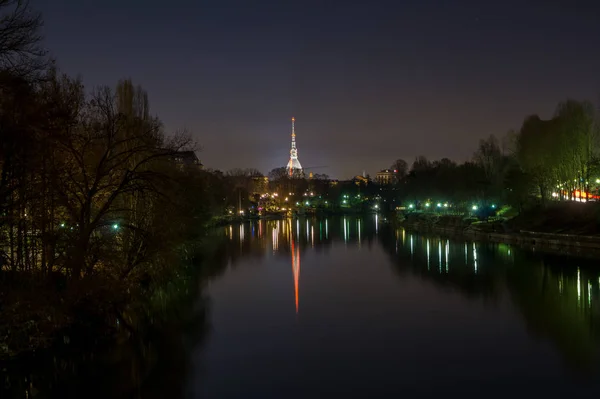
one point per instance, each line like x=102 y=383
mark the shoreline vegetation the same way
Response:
x=561 y=227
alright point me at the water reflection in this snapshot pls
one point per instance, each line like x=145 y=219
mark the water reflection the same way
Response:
x=556 y=296
x=367 y=290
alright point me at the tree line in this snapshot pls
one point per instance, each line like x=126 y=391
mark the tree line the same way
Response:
x=555 y=159
x=95 y=206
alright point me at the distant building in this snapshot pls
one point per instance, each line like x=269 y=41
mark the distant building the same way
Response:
x=385 y=176
x=187 y=159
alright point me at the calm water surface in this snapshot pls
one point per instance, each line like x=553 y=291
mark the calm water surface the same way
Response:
x=348 y=308
x=353 y=308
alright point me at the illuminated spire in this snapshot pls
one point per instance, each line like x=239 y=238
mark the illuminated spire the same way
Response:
x=293 y=130
x=293 y=166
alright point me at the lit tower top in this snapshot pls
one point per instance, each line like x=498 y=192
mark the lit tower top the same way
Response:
x=293 y=166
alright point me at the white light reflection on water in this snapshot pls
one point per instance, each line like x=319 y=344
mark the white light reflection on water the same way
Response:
x=307 y=231
x=242 y=234
x=440 y=255
x=578 y=286
x=275 y=238
x=447 y=254
x=428 y=254
x=345 y=230
x=475 y=257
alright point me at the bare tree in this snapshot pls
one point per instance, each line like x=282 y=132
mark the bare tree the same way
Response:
x=400 y=167
x=105 y=168
x=21 y=51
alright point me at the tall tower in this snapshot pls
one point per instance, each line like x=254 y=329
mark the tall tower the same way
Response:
x=293 y=167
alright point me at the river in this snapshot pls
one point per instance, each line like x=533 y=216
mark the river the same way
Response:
x=352 y=307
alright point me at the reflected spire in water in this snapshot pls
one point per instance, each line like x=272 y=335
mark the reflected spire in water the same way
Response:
x=295 y=270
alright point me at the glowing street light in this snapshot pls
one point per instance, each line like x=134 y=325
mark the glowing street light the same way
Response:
x=427 y=204
x=439 y=205
x=474 y=207
x=493 y=206
x=115 y=226
x=376 y=206
x=411 y=206
x=344 y=202
x=306 y=203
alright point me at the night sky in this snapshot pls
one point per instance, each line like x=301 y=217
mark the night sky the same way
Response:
x=368 y=81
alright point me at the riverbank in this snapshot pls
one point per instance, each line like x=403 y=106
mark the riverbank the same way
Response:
x=570 y=228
